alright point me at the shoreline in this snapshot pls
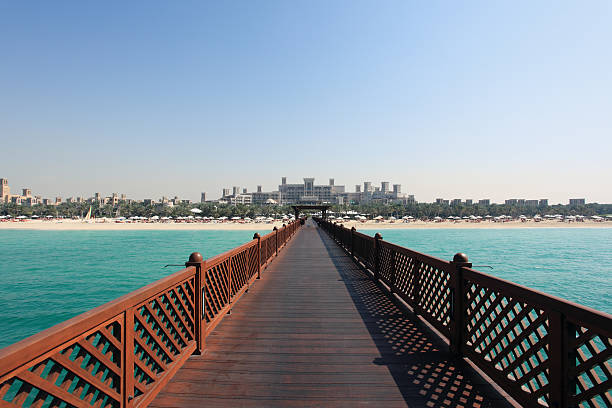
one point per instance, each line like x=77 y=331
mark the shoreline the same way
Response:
x=71 y=225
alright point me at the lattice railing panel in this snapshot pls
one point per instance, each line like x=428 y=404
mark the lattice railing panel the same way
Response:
x=386 y=267
x=252 y=267
x=364 y=250
x=405 y=280
x=86 y=371
x=271 y=243
x=239 y=271
x=510 y=337
x=591 y=376
x=434 y=295
x=163 y=329
x=217 y=294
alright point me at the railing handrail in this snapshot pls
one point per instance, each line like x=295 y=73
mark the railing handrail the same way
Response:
x=169 y=312
x=542 y=349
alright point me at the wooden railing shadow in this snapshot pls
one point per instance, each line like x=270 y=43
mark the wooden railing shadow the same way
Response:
x=425 y=372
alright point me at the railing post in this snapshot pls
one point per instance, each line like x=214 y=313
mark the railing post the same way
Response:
x=258 y=238
x=459 y=261
x=231 y=273
x=276 y=239
x=284 y=234
x=128 y=357
x=353 y=229
x=559 y=334
x=393 y=272
x=377 y=239
x=196 y=260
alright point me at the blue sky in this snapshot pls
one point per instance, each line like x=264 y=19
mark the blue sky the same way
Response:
x=450 y=99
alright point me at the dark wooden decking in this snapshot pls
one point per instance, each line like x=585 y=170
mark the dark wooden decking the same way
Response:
x=317 y=331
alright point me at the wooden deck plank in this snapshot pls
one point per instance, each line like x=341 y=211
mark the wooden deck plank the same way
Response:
x=316 y=331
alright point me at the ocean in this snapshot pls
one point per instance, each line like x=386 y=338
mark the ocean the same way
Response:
x=47 y=277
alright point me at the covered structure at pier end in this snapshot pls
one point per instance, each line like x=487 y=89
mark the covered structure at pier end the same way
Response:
x=322 y=207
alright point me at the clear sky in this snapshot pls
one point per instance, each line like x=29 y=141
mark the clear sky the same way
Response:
x=451 y=99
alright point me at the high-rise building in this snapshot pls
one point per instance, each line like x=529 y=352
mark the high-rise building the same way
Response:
x=244 y=190
x=5 y=190
x=235 y=190
x=577 y=201
x=331 y=181
x=203 y=197
x=385 y=186
x=456 y=201
x=358 y=188
x=469 y=201
x=485 y=201
x=259 y=189
x=226 y=192
x=397 y=189
x=284 y=181
x=543 y=202
x=367 y=187
x=26 y=192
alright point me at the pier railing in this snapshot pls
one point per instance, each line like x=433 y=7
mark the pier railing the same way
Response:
x=542 y=350
x=122 y=353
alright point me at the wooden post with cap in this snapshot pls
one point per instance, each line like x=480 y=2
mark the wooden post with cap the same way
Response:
x=353 y=230
x=258 y=238
x=199 y=319
x=377 y=239
x=460 y=260
x=276 y=239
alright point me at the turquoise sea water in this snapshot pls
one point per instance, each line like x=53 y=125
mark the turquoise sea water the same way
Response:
x=49 y=276
x=572 y=263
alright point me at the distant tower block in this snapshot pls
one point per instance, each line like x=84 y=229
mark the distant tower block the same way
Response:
x=367 y=186
x=244 y=191
x=331 y=181
x=397 y=188
x=203 y=197
x=385 y=186
x=235 y=190
x=358 y=188
x=5 y=190
x=259 y=189
x=284 y=181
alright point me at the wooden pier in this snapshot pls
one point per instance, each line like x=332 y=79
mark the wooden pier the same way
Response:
x=319 y=315
x=317 y=331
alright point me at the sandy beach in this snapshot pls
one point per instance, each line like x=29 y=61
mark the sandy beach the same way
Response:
x=76 y=225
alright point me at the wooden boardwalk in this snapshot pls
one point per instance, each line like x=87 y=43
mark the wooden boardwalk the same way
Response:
x=317 y=331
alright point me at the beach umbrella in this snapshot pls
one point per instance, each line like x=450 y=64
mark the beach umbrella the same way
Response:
x=21 y=217
x=35 y=216
x=196 y=211
x=49 y=216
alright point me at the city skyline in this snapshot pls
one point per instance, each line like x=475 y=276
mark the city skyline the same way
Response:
x=451 y=100
x=392 y=191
